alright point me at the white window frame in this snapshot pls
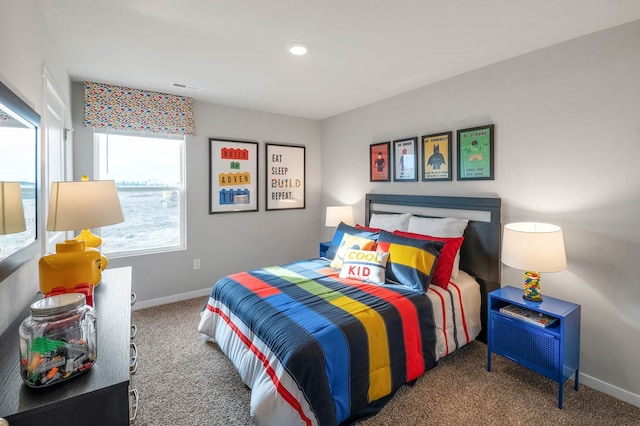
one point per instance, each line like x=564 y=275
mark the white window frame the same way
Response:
x=182 y=189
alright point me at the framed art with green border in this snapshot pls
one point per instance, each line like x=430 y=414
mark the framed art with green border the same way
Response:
x=436 y=156
x=405 y=160
x=233 y=176
x=379 y=162
x=475 y=153
x=285 y=173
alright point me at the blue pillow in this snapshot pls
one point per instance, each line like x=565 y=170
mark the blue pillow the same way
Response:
x=411 y=261
x=342 y=229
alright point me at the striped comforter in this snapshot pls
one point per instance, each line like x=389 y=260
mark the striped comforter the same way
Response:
x=315 y=348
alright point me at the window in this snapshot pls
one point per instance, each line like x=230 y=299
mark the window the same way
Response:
x=149 y=175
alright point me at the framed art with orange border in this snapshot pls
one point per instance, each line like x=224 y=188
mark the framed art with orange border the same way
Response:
x=379 y=164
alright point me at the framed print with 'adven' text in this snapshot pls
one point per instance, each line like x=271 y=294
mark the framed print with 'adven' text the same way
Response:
x=233 y=176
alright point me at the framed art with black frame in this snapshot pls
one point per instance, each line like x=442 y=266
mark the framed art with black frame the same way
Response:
x=233 y=176
x=436 y=156
x=405 y=160
x=379 y=162
x=475 y=153
x=285 y=176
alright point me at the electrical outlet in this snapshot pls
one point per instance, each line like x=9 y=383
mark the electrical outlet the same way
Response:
x=196 y=263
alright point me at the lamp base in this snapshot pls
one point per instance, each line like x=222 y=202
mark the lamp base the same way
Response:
x=532 y=299
x=532 y=287
x=90 y=239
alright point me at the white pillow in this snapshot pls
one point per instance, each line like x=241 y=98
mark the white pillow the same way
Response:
x=445 y=227
x=390 y=222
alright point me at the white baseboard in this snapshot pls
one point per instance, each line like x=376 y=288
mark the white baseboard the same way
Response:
x=609 y=389
x=141 y=304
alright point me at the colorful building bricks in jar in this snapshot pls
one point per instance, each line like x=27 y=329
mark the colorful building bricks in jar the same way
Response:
x=58 y=340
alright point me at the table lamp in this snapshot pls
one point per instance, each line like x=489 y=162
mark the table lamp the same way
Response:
x=72 y=206
x=83 y=205
x=11 y=210
x=534 y=248
x=337 y=214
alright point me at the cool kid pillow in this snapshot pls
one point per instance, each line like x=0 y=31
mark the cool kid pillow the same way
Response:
x=411 y=261
x=368 y=266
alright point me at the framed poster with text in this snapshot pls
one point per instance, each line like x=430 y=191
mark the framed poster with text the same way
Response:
x=285 y=176
x=475 y=153
x=233 y=176
x=379 y=162
x=405 y=160
x=436 y=156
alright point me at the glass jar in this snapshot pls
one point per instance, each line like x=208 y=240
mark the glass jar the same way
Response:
x=58 y=340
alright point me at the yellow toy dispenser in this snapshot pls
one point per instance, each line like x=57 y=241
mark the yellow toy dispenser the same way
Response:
x=71 y=267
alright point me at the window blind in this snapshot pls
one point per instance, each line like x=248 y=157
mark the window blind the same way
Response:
x=123 y=108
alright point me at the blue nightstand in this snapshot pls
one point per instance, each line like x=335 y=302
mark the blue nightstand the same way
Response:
x=324 y=247
x=553 y=351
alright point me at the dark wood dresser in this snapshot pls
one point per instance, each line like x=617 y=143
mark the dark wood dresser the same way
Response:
x=101 y=396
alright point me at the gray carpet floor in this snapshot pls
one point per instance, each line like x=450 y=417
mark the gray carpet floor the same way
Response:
x=183 y=380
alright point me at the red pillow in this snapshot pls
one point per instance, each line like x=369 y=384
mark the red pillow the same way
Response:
x=444 y=265
x=365 y=228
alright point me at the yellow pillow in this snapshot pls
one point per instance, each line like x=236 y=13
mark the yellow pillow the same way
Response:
x=350 y=242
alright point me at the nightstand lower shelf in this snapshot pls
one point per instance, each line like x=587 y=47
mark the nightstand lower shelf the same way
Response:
x=551 y=351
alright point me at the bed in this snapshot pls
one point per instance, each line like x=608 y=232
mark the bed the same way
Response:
x=318 y=347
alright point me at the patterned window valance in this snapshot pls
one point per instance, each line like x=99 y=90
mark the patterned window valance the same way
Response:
x=122 y=108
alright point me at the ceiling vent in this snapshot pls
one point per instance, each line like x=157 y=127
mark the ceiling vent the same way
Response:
x=186 y=86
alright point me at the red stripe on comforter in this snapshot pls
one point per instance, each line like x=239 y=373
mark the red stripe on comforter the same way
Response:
x=286 y=395
x=254 y=284
x=410 y=324
x=464 y=317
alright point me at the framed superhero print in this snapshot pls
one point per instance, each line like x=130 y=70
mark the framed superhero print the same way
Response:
x=405 y=160
x=436 y=156
x=379 y=163
x=475 y=153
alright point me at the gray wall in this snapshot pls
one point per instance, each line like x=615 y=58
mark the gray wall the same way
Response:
x=25 y=50
x=567 y=149
x=229 y=242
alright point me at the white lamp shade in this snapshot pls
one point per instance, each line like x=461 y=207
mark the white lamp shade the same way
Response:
x=11 y=210
x=83 y=205
x=337 y=214
x=532 y=246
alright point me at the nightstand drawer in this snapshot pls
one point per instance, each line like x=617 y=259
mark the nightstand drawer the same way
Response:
x=528 y=345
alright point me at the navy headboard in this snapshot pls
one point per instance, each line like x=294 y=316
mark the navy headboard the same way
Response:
x=480 y=252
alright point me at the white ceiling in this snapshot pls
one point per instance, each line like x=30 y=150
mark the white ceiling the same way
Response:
x=361 y=51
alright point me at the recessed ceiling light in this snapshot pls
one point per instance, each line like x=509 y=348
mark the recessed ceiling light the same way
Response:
x=298 y=49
